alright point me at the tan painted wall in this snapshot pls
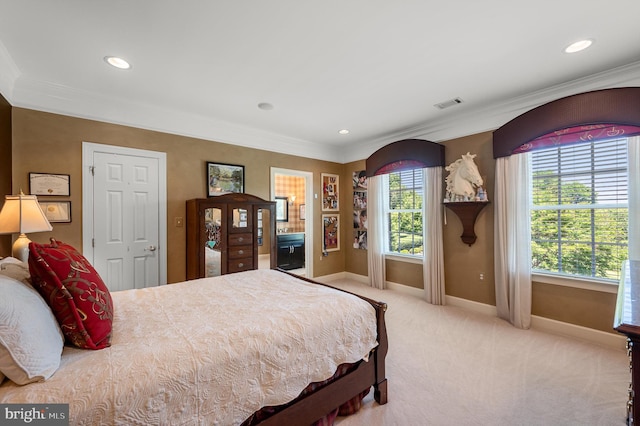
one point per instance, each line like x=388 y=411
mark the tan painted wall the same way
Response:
x=355 y=259
x=5 y=166
x=464 y=264
x=587 y=308
x=51 y=143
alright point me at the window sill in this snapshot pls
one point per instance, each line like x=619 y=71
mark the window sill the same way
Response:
x=403 y=258
x=583 y=283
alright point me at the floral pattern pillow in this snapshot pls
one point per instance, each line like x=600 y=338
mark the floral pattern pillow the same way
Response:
x=78 y=297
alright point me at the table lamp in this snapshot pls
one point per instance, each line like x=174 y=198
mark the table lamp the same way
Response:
x=21 y=214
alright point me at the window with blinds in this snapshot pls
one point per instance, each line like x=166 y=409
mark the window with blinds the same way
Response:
x=404 y=212
x=579 y=211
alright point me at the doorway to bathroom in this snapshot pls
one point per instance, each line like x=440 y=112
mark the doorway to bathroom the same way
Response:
x=292 y=190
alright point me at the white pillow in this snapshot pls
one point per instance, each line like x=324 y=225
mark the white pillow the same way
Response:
x=10 y=259
x=31 y=342
x=15 y=268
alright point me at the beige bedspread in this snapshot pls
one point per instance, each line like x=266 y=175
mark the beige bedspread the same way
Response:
x=209 y=351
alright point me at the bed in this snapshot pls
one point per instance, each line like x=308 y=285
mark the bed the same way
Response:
x=256 y=347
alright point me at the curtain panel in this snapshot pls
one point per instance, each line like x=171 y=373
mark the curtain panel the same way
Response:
x=376 y=190
x=512 y=237
x=432 y=212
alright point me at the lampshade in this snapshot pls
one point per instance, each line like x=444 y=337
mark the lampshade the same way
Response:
x=21 y=214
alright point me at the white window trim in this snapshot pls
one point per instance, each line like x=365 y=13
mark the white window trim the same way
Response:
x=582 y=282
x=604 y=286
x=580 y=206
x=408 y=258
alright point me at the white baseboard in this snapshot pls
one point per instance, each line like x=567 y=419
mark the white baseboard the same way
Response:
x=549 y=325
x=417 y=292
x=326 y=279
x=471 y=305
x=538 y=323
x=615 y=341
x=406 y=289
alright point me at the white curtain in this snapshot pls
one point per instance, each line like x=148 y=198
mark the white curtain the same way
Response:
x=512 y=239
x=433 y=264
x=634 y=198
x=376 y=189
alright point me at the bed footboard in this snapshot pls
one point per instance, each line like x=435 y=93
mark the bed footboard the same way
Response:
x=314 y=406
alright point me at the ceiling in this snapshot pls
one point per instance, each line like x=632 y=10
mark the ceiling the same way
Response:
x=377 y=68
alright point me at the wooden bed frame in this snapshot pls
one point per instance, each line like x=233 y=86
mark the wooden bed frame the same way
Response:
x=322 y=401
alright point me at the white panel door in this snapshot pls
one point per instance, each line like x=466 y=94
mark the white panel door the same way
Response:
x=126 y=222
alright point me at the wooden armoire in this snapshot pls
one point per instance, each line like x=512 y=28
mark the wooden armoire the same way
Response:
x=226 y=233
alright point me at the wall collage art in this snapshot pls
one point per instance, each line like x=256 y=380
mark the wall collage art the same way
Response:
x=360 y=210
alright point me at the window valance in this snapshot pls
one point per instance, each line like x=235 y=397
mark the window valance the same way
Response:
x=587 y=116
x=403 y=155
x=578 y=134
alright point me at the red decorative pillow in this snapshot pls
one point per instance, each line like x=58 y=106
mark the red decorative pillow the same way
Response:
x=78 y=297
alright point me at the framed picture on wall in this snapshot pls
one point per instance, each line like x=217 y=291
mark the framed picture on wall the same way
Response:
x=57 y=211
x=330 y=192
x=224 y=178
x=330 y=232
x=360 y=240
x=360 y=180
x=49 y=184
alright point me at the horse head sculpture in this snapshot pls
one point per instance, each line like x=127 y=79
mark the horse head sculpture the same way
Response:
x=463 y=179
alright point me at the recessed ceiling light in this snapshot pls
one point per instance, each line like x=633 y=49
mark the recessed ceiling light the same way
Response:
x=578 y=46
x=114 y=61
x=266 y=106
x=344 y=132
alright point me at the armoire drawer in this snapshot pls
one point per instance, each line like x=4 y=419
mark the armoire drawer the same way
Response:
x=236 y=252
x=240 y=239
x=238 y=265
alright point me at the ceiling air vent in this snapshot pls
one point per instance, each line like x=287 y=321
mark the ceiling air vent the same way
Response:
x=449 y=103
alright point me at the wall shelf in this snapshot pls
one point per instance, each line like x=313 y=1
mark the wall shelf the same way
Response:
x=467 y=212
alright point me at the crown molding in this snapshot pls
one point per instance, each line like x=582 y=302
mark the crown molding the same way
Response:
x=9 y=75
x=489 y=117
x=59 y=99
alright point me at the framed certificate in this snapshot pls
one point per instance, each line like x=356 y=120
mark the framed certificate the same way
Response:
x=57 y=211
x=49 y=184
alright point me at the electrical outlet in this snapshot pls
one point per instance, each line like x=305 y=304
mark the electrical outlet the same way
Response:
x=481 y=277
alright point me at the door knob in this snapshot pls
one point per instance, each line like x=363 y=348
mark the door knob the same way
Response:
x=151 y=248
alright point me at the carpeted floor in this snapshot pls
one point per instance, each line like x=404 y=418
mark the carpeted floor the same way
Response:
x=450 y=366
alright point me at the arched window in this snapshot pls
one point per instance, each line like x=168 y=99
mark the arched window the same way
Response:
x=401 y=164
x=580 y=209
x=422 y=161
